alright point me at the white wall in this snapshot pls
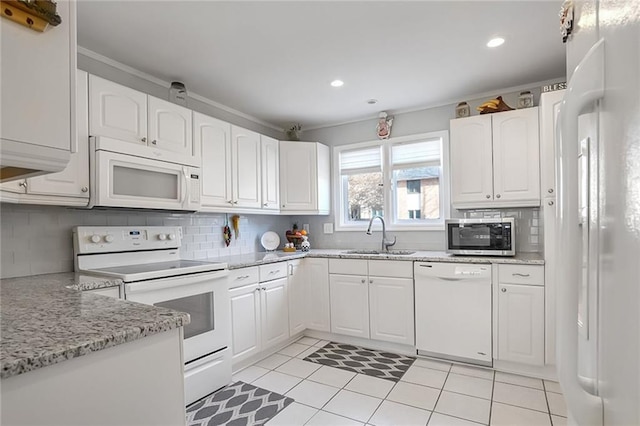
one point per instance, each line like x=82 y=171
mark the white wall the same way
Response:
x=37 y=239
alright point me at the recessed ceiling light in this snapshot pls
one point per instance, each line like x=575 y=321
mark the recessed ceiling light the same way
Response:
x=495 y=42
x=372 y=101
x=337 y=83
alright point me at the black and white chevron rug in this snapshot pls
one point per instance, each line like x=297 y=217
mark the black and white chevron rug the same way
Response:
x=385 y=365
x=239 y=404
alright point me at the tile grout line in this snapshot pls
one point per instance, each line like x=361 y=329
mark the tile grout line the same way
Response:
x=546 y=399
x=440 y=394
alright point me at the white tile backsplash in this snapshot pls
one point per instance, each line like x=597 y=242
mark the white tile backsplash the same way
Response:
x=37 y=239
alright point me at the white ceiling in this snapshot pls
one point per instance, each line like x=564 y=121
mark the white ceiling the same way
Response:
x=275 y=60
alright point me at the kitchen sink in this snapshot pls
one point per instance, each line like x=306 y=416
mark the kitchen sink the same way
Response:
x=392 y=252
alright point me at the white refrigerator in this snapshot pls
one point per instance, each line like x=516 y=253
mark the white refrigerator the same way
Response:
x=598 y=216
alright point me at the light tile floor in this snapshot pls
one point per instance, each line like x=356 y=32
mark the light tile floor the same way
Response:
x=431 y=393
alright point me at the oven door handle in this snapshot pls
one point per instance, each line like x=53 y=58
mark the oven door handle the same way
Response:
x=176 y=282
x=185 y=183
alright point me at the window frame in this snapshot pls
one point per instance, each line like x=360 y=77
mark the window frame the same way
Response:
x=392 y=223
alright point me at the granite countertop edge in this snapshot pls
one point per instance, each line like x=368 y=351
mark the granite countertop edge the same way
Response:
x=260 y=258
x=71 y=323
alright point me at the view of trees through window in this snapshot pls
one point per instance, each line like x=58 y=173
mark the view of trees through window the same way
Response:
x=365 y=195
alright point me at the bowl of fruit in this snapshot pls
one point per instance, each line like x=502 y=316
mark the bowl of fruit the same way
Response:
x=294 y=235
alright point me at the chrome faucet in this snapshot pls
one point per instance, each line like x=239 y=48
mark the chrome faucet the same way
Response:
x=385 y=242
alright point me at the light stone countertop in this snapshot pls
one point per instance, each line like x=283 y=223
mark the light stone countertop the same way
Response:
x=46 y=320
x=259 y=258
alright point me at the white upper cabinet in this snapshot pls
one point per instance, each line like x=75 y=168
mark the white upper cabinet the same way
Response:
x=304 y=178
x=213 y=137
x=170 y=127
x=270 y=173
x=69 y=187
x=157 y=129
x=549 y=107
x=117 y=111
x=38 y=94
x=471 y=160
x=246 y=169
x=495 y=160
x=516 y=157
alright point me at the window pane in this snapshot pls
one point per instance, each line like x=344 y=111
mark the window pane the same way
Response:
x=363 y=195
x=417 y=194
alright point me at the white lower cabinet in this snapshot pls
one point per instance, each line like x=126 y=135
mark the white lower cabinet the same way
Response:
x=378 y=304
x=318 y=303
x=296 y=283
x=349 y=305
x=245 y=321
x=521 y=314
x=259 y=309
x=275 y=312
x=391 y=309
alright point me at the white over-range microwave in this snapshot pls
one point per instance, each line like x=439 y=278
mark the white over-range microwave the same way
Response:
x=120 y=179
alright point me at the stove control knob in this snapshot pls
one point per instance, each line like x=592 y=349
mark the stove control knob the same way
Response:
x=172 y=236
x=96 y=238
x=108 y=238
x=162 y=237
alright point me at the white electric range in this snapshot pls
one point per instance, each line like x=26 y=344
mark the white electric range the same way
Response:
x=147 y=259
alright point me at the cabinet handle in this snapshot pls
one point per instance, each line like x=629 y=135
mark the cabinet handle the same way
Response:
x=497 y=195
x=144 y=140
x=370 y=281
x=426 y=266
x=155 y=142
x=257 y=289
x=290 y=269
x=263 y=289
x=363 y=281
x=488 y=196
x=520 y=275
x=273 y=272
x=504 y=290
x=265 y=204
x=550 y=190
x=235 y=202
x=550 y=203
x=23 y=184
x=242 y=277
x=283 y=205
x=229 y=201
x=84 y=189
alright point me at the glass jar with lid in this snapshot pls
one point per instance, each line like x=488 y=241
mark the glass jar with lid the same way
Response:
x=525 y=100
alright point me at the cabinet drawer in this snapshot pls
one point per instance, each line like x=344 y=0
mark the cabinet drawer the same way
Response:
x=348 y=266
x=243 y=276
x=391 y=268
x=521 y=274
x=273 y=271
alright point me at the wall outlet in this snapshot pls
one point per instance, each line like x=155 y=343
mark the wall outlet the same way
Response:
x=328 y=228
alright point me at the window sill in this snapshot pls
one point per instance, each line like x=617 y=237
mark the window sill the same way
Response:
x=391 y=228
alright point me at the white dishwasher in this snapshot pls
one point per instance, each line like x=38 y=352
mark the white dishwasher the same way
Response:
x=453 y=311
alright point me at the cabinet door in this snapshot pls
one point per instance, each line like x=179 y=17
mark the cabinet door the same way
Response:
x=391 y=309
x=38 y=82
x=298 y=176
x=245 y=321
x=296 y=282
x=246 y=167
x=117 y=111
x=73 y=181
x=349 y=305
x=275 y=312
x=214 y=139
x=270 y=173
x=516 y=157
x=521 y=324
x=170 y=127
x=471 y=161
x=549 y=107
x=549 y=216
x=317 y=291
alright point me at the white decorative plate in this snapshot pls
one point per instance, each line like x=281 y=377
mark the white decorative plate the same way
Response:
x=270 y=240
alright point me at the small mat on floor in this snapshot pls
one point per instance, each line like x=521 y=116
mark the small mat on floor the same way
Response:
x=239 y=404
x=384 y=365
